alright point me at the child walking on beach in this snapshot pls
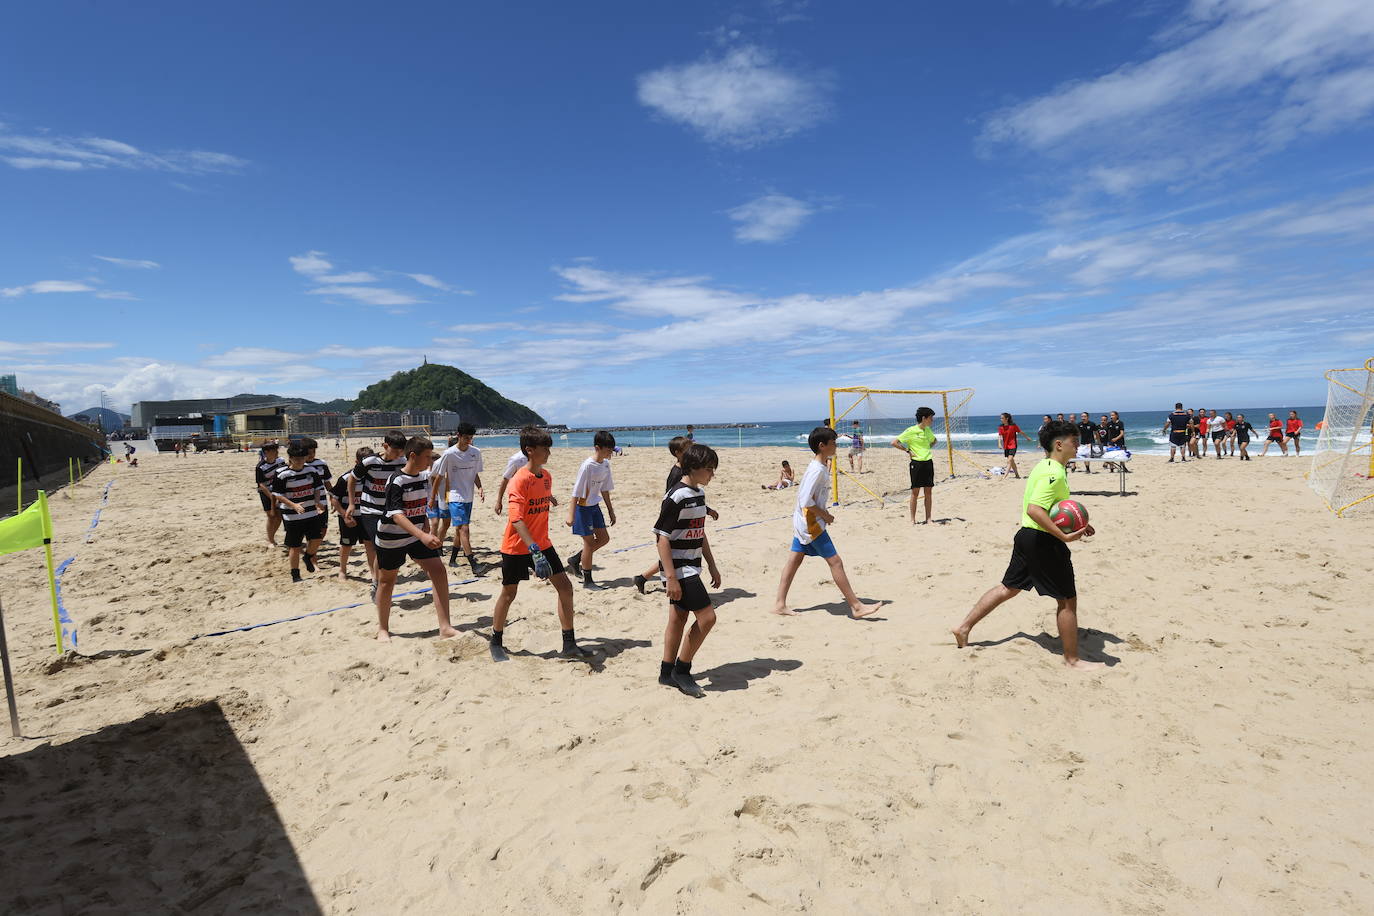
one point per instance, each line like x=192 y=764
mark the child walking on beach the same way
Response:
x=367 y=493
x=403 y=531
x=1040 y=556
x=680 y=537
x=349 y=533
x=460 y=471
x=917 y=441
x=856 y=448
x=1243 y=433
x=1294 y=430
x=526 y=545
x=1007 y=433
x=1275 y=435
x=809 y=521
x=592 y=487
x=268 y=464
x=676 y=446
x=297 y=488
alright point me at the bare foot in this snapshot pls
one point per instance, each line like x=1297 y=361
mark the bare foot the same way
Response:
x=447 y=632
x=960 y=637
x=383 y=636
x=783 y=610
x=342 y=577
x=866 y=610
x=1081 y=665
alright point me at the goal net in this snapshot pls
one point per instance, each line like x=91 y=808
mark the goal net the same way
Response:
x=879 y=471
x=1343 y=461
x=358 y=436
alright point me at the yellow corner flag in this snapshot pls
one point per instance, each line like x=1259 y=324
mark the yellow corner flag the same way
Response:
x=25 y=530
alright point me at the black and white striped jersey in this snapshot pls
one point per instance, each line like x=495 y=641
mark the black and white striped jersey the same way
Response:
x=408 y=495
x=372 y=474
x=319 y=465
x=682 y=520
x=300 y=487
x=263 y=473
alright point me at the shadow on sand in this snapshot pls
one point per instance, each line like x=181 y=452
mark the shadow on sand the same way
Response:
x=1092 y=644
x=164 y=814
x=737 y=675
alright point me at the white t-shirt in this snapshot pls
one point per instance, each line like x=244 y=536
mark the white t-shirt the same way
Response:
x=515 y=463
x=461 y=469
x=812 y=493
x=593 y=478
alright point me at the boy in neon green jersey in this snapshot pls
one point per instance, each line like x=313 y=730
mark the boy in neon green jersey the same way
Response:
x=1040 y=553
x=917 y=441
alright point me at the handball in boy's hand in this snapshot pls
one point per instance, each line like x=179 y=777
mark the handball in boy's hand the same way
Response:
x=1069 y=515
x=542 y=569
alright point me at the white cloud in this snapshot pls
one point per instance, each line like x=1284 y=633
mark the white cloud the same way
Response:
x=46 y=150
x=1233 y=79
x=743 y=99
x=46 y=286
x=369 y=295
x=431 y=281
x=360 y=276
x=243 y=357
x=312 y=263
x=129 y=262
x=46 y=347
x=770 y=218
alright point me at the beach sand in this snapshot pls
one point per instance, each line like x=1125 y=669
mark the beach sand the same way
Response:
x=1224 y=762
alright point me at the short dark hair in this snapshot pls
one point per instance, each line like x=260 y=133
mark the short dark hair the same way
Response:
x=676 y=445
x=309 y=442
x=1056 y=429
x=297 y=450
x=416 y=445
x=534 y=437
x=467 y=429
x=270 y=447
x=820 y=436
x=785 y=463
x=923 y=412
x=395 y=439
x=603 y=439
x=1178 y=405
x=364 y=452
x=697 y=455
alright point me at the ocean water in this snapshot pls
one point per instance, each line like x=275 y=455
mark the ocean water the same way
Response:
x=1143 y=431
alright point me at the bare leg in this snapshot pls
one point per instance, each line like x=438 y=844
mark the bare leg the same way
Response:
x=914 y=492
x=385 y=584
x=1067 y=619
x=565 y=600
x=438 y=577
x=789 y=572
x=273 y=523
x=295 y=556
x=464 y=538
x=371 y=550
x=696 y=633
x=503 y=603
x=993 y=597
x=857 y=609
x=672 y=635
x=928 y=495
x=344 y=551
x=1011 y=467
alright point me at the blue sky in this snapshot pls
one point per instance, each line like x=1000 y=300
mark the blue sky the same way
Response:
x=631 y=212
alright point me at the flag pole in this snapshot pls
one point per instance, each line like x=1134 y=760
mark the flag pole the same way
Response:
x=19 y=479
x=52 y=577
x=9 y=678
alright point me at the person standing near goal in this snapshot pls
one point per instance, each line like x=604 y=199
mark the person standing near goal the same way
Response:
x=856 y=448
x=917 y=442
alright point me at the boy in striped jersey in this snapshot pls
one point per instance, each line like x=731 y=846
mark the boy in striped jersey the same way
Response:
x=808 y=525
x=268 y=463
x=367 y=493
x=526 y=545
x=403 y=531
x=322 y=467
x=297 y=488
x=680 y=533
x=348 y=534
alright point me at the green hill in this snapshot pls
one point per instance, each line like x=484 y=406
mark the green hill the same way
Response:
x=437 y=387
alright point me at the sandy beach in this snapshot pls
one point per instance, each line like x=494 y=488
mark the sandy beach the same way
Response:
x=1223 y=762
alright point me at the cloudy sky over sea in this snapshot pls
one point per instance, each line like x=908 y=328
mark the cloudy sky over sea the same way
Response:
x=630 y=211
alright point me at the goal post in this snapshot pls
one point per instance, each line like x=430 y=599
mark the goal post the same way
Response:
x=1342 y=471
x=883 y=413
x=372 y=435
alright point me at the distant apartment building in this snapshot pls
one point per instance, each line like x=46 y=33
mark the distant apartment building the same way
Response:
x=10 y=385
x=377 y=418
x=445 y=421
x=418 y=418
x=328 y=423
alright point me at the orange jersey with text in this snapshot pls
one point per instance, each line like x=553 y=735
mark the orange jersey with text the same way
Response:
x=528 y=500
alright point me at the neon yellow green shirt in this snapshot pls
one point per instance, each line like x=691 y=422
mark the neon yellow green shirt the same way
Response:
x=1047 y=484
x=918 y=439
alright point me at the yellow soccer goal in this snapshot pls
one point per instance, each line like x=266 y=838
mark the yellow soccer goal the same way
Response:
x=1343 y=461
x=870 y=466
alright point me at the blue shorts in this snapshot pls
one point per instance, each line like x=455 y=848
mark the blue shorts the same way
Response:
x=586 y=519
x=433 y=511
x=460 y=513
x=821 y=547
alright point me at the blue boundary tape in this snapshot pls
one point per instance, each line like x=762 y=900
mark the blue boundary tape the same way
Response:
x=69 y=634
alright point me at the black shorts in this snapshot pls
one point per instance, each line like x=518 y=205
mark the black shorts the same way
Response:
x=1275 y=437
x=1041 y=561
x=395 y=557
x=1178 y=438
x=694 y=597
x=1218 y=435
x=349 y=534
x=1008 y=453
x=922 y=473
x=516 y=567
x=266 y=503
x=369 y=525
x=1296 y=435
x=307 y=529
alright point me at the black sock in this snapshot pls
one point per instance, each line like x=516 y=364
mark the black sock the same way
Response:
x=496 y=637
x=586 y=575
x=295 y=575
x=682 y=667
x=568 y=638
x=665 y=669
x=309 y=563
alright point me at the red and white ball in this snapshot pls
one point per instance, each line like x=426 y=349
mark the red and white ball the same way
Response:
x=1069 y=515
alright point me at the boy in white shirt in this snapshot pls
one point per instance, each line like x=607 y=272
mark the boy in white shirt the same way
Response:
x=809 y=523
x=593 y=486
x=513 y=464
x=460 y=469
